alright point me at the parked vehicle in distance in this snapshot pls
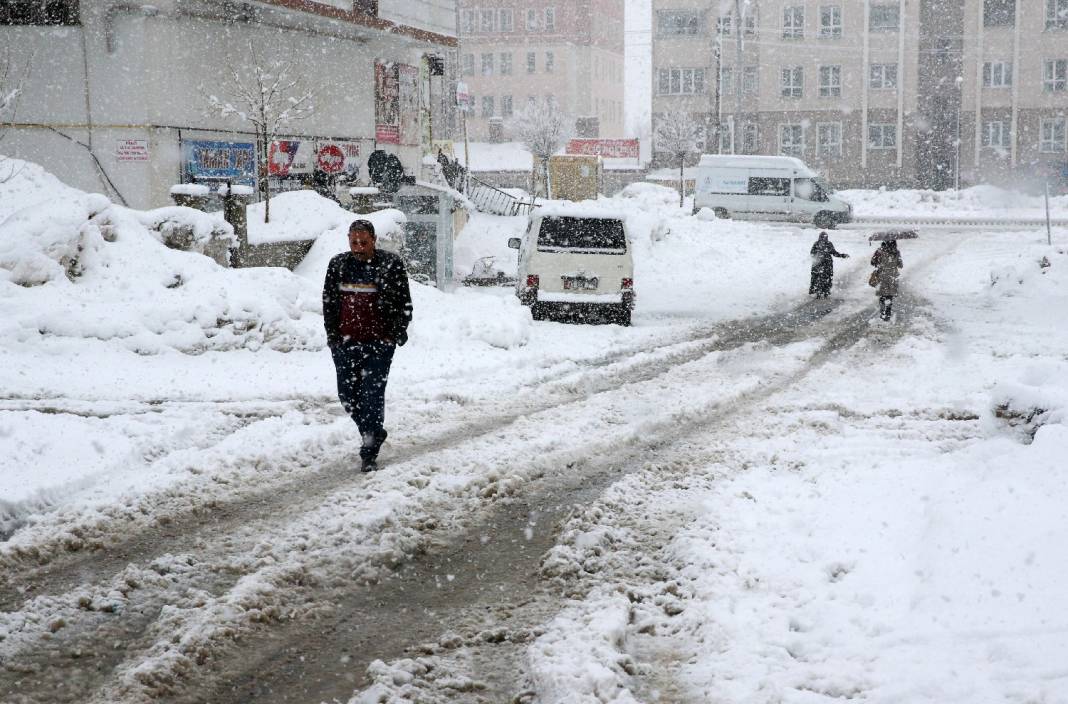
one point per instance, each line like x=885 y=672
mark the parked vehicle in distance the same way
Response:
x=750 y=187
x=572 y=261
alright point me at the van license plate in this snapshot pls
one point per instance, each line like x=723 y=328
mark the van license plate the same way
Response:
x=574 y=283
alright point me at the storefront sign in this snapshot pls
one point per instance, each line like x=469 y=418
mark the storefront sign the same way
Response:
x=337 y=157
x=387 y=103
x=408 y=95
x=220 y=161
x=132 y=150
x=607 y=148
x=289 y=157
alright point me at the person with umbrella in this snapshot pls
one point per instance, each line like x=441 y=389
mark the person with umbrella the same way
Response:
x=888 y=264
x=823 y=253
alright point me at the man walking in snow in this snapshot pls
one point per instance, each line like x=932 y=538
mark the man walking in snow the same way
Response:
x=367 y=306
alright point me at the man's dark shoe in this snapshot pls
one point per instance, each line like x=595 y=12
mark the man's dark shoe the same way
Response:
x=368 y=465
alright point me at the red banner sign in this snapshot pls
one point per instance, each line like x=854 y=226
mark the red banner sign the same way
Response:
x=607 y=148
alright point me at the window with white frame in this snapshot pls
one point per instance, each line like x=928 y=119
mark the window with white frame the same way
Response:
x=1055 y=75
x=750 y=80
x=882 y=76
x=882 y=136
x=506 y=63
x=726 y=80
x=793 y=22
x=532 y=62
x=723 y=25
x=487 y=64
x=533 y=20
x=726 y=138
x=487 y=106
x=883 y=18
x=467 y=64
x=829 y=139
x=830 y=22
x=676 y=22
x=469 y=24
x=792 y=140
x=1056 y=14
x=1052 y=135
x=505 y=20
x=793 y=81
x=487 y=21
x=999 y=13
x=996 y=134
x=750 y=138
x=997 y=74
x=830 y=81
x=550 y=61
x=506 y=106
x=750 y=22
x=550 y=19
x=681 y=81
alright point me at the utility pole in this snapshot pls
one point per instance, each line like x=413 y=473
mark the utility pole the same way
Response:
x=738 y=73
x=717 y=51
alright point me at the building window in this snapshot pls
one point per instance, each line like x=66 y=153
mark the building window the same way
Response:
x=676 y=22
x=830 y=22
x=506 y=106
x=1056 y=14
x=469 y=24
x=533 y=23
x=749 y=138
x=1055 y=76
x=791 y=143
x=830 y=81
x=505 y=21
x=550 y=61
x=487 y=21
x=726 y=138
x=39 y=12
x=750 y=22
x=999 y=13
x=726 y=80
x=487 y=106
x=883 y=18
x=532 y=62
x=996 y=134
x=882 y=76
x=997 y=74
x=550 y=19
x=793 y=22
x=750 y=78
x=793 y=81
x=882 y=136
x=487 y=64
x=681 y=81
x=506 y=64
x=829 y=136
x=467 y=64
x=723 y=25
x=1053 y=135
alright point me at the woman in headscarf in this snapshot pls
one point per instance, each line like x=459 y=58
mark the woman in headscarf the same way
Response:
x=888 y=264
x=823 y=252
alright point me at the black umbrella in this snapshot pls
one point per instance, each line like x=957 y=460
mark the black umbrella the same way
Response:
x=888 y=235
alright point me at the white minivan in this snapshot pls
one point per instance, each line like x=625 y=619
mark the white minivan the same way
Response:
x=574 y=261
x=750 y=187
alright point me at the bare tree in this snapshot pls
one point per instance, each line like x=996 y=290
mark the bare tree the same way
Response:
x=679 y=135
x=542 y=128
x=266 y=95
x=11 y=87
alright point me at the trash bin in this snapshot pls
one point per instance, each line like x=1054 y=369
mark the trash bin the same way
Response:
x=429 y=232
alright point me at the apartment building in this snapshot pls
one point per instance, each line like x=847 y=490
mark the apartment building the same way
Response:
x=115 y=97
x=930 y=93
x=514 y=51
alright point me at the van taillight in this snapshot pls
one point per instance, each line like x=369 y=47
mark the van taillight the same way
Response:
x=533 y=280
x=628 y=283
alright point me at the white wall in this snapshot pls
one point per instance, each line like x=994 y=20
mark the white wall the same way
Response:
x=431 y=15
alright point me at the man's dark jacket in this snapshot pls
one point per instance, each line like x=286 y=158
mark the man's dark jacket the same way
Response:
x=394 y=296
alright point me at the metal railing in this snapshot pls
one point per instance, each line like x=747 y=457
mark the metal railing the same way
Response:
x=490 y=199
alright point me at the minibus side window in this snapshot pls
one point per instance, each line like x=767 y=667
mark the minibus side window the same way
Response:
x=764 y=186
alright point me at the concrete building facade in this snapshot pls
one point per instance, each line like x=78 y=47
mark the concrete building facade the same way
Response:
x=929 y=93
x=115 y=98
x=513 y=51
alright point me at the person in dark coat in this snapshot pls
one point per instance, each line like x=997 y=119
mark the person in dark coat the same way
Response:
x=888 y=264
x=367 y=306
x=822 y=253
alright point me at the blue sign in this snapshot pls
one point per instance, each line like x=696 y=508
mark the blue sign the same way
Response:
x=220 y=161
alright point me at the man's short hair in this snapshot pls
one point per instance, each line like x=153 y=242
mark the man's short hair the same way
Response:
x=364 y=225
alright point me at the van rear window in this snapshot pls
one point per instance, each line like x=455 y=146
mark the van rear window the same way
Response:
x=588 y=234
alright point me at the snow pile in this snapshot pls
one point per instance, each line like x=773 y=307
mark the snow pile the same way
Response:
x=977 y=201
x=298 y=216
x=651 y=195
